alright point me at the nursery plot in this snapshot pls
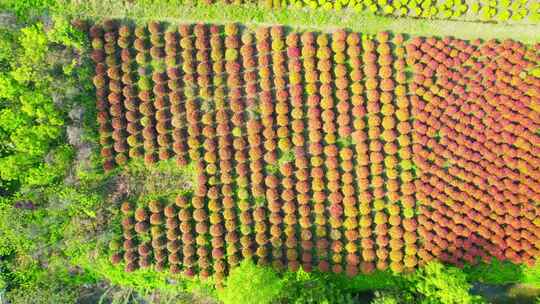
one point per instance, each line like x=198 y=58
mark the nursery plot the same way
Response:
x=314 y=150
x=477 y=145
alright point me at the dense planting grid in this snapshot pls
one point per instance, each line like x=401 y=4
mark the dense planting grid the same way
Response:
x=306 y=150
x=476 y=142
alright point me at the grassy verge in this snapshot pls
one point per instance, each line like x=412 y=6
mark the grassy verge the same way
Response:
x=298 y=18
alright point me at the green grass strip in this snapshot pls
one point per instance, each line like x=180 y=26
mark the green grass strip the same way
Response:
x=298 y=18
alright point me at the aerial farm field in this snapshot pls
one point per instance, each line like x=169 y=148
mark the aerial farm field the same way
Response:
x=349 y=151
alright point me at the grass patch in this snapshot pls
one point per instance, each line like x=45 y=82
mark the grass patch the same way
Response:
x=165 y=179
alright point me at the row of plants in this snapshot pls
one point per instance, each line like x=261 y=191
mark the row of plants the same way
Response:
x=262 y=131
x=476 y=146
x=522 y=11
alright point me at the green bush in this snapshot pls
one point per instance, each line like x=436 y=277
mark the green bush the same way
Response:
x=64 y=34
x=251 y=284
x=23 y=8
x=437 y=284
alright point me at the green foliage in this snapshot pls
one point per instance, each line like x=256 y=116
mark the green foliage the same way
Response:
x=164 y=179
x=158 y=65
x=25 y=227
x=308 y=287
x=34 y=44
x=496 y=272
x=366 y=282
x=437 y=284
x=535 y=72
x=29 y=239
x=448 y=9
x=286 y=157
x=24 y=8
x=64 y=34
x=237 y=132
x=36 y=210
x=144 y=83
x=46 y=173
x=344 y=142
x=271 y=169
x=249 y=283
x=295 y=16
x=387 y=297
x=531 y=275
x=11 y=225
x=38 y=285
x=31 y=124
x=6 y=55
x=142 y=280
x=29 y=121
x=434 y=283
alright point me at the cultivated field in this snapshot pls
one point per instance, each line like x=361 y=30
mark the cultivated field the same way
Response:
x=340 y=151
x=270 y=151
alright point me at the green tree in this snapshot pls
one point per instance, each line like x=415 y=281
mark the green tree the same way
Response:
x=31 y=124
x=439 y=284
